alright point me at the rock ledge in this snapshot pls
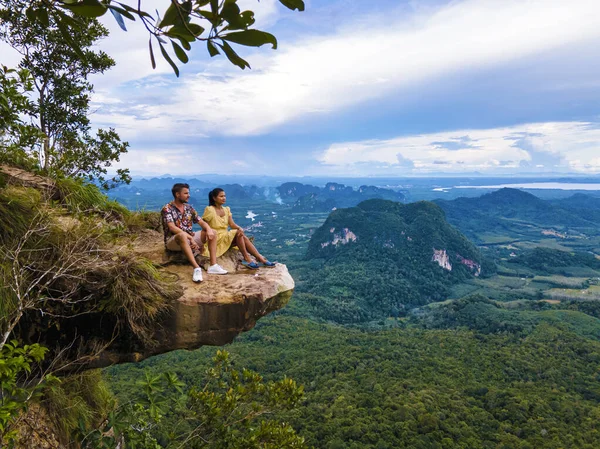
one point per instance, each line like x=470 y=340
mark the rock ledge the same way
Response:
x=212 y=312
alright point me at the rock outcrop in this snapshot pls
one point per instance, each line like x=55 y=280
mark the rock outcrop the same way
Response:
x=18 y=176
x=441 y=257
x=213 y=312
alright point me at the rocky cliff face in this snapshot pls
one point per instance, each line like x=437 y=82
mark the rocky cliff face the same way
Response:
x=95 y=326
x=441 y=257
x=211 y=313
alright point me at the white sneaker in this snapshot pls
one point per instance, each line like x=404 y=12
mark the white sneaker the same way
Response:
x=197 y=276
x=216 y=269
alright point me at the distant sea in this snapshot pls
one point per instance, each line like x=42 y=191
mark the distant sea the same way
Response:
x=540 y=185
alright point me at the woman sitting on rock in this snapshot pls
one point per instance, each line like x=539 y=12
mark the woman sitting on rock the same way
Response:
x=219 y=218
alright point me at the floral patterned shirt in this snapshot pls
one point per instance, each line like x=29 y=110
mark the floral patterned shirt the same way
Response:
x=184 y=221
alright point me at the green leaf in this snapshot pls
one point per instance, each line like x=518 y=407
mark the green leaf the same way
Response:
x=293 y=4
x=212 y=18
x=42 y=15
x=247 y=18
x=251 y=38
x=135 y=11
x=180 y=53
x=230 y=12
x=185 y=44
x=30 y=13
x=87 y=8
x=233 y=56
x=119 y=18
x=152 y=60
x=172 y=15
x=180 y=32
x=67 y=37
x=212 y=48
x=168 y=59
x=123 y=12
x=195 y=28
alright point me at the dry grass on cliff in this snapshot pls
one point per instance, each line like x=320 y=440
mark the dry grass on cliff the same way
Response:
x=80 y=399
x=18 y=206
x=48 y=266
x=83 y=198
x=138 y=293
x=140 y=220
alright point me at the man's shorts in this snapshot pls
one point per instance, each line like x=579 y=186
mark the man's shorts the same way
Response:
x=172 y=244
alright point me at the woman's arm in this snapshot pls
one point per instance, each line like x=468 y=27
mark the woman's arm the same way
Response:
x=233 y=225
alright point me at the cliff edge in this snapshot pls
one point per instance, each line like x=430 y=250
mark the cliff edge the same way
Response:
x=103 y=288
x=212 y=312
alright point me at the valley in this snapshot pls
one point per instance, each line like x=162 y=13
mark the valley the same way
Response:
x=396 y=350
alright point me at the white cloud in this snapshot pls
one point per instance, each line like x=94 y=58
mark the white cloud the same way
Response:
x=191 y=160
x=370 y=60
x=10 y=57
x=547 y=147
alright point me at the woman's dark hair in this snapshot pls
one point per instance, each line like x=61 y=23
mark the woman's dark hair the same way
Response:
x=213 y=194
x=178 y=188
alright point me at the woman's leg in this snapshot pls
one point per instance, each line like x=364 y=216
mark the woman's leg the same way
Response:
x=250 y=248
x=240 y=242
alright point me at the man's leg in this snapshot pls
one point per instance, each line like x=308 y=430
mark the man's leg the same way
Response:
x=184 y=243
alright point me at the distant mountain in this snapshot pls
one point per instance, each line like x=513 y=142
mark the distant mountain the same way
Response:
x=309 y=198
x=152 y=193
x=552 y=261
x=512 y=211
x=587 y=206
x=382 y=258
x=312 y=203
x=294 y=190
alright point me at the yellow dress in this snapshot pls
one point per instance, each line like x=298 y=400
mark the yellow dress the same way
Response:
x=225 y=236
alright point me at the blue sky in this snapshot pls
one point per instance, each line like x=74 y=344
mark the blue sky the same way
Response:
x=377 y=88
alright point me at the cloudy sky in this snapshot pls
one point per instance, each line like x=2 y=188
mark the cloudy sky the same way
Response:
x=382 y=88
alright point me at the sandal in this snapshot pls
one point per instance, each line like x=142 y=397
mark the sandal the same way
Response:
x=268 y=264
x=251 y=265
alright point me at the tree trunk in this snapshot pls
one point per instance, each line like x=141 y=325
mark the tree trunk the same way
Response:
x=44 y=129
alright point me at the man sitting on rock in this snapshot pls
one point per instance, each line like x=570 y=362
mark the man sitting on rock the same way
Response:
x=177 y=219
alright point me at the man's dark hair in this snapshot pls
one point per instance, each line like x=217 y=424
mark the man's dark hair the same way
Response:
x=178 y=188
x=213 y=194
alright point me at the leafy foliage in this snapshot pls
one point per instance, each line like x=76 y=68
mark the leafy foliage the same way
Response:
x=15 y=393
x=181 y=24
x=414 y=388
x=60 y=81
x=229 y=409
x=79 y=400
x=57 y=278
x=82 y=198
x=15 y=133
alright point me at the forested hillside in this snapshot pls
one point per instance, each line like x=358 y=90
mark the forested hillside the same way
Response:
x=515 y=213
x=382 y=258
x=414 y=388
